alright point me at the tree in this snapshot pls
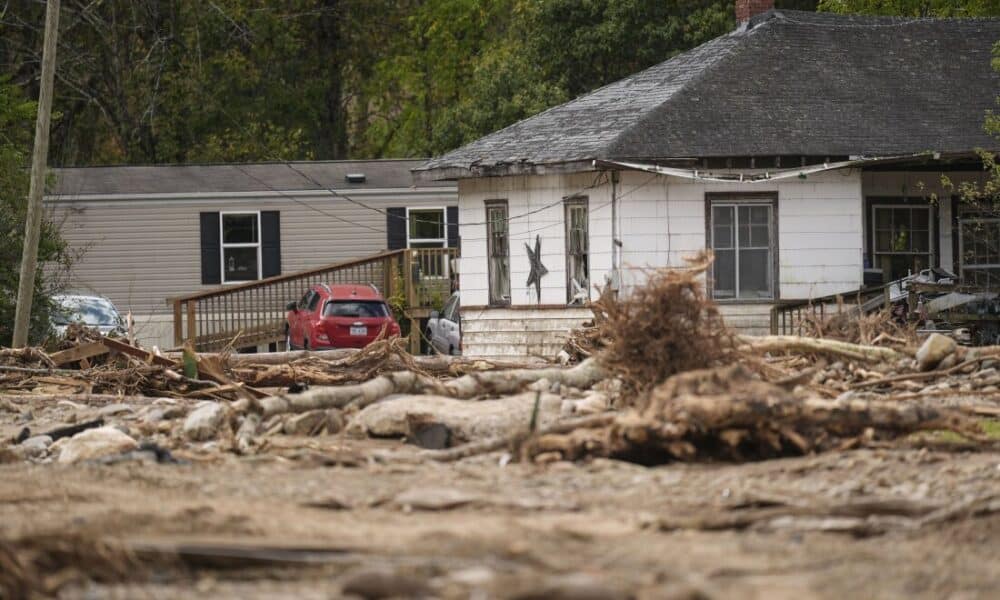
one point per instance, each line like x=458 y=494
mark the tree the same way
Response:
x=17 y=118
x=914 y=8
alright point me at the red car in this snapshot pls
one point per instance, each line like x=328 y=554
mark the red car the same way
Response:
x=338 y=316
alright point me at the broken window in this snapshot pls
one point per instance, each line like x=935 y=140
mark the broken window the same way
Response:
x=577 y=251
x=979 y=248
x=498 y=252
x=902 y=239
x=240 y=246
x=742 y=237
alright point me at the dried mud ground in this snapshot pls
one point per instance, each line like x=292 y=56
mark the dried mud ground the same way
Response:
x=299 y=527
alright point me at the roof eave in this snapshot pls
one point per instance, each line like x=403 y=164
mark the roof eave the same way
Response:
x=453 y=172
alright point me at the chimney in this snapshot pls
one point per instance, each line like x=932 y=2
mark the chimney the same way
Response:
x=746 y=9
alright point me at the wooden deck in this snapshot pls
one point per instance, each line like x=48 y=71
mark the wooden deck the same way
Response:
x=413 y=281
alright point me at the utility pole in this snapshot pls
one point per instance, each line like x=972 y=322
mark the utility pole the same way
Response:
x=39 y=157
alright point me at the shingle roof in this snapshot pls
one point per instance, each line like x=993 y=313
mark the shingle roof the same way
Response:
x=791 y=83
x=261 y=177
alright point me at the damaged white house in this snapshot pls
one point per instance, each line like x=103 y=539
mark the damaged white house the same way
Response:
x=806 y=150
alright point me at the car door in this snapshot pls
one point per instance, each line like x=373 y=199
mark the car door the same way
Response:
x=443 y=327
x=453 y=326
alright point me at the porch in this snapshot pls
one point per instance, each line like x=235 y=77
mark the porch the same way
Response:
x=413 y=282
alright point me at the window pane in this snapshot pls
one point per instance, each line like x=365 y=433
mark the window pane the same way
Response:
x=883 y=241
x=921 y=241
x=722 y=237
x=760 y=236
x=901 y=218
x=921 y=218
x=759 y=215
x=722 y=215
x=724 y=274
x=723 y=228
x=754 y=274
x=240 y=264
x=883 y=218
x=427 y=224
x=744 y=237
x=239 y=229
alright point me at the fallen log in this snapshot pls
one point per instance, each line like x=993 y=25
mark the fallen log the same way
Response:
x=807 y=345
x=468 y=386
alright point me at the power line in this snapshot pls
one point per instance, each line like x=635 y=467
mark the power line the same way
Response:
x=305 y=204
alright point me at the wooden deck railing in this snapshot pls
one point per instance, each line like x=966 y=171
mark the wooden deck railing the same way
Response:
x=790 y=317
x=255 y=311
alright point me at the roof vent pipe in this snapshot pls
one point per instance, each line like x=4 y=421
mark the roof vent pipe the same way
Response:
x=747 y=9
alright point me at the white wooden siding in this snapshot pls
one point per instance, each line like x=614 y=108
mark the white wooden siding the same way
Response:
x=506 y=332
x=140 y=251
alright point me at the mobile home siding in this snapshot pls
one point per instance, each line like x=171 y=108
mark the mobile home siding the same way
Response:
x=138 y=251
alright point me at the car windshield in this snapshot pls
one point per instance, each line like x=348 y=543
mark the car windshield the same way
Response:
x=89 y=311
x=355 y=308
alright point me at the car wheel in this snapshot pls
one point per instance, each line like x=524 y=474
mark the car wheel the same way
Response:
x=430 y=345
x=288 y=339
x=305 y=344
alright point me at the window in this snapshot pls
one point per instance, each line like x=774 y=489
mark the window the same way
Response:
x=355 y=309
x=450 y=310
x=901 y=239
x=427 y=228
x=498 y=252
x=743 y=239
x=240 y=246
x=577 y=251
x=979 y=249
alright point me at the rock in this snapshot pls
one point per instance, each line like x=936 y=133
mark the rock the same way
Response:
x=152 y=416
x=204 y=422
x=35 y=447
x=466 y=420
x=949 y=361
x=431 y=436
x=934 y=349
x=373 y=584
x=95 y=443
x=306 y=423
x=114 y=409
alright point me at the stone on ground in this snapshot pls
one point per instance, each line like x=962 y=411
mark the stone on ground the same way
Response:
x=95 y=443
x=934 y=350
x=204 y=422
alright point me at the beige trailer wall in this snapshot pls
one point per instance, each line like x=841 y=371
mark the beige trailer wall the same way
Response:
x=138 y=251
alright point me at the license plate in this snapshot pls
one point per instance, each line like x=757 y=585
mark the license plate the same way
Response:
x=359 y=331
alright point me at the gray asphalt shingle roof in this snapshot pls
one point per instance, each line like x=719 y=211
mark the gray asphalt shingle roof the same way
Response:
x=260 y=177
x=792 y=83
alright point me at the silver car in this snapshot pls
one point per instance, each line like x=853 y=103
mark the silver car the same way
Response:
x=93 y=311
x=444 y=329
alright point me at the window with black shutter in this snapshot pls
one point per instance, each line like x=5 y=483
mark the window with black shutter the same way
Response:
x=240 y=246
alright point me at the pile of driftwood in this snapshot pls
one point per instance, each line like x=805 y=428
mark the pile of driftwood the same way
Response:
x=664 y=380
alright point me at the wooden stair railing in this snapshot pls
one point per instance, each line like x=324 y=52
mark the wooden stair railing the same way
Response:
x=255 y=311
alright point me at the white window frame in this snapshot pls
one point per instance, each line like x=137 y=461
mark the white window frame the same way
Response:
x=445 y=266
x=223 y=245
x=771 y=248
x=444 y=219
x=961 y=245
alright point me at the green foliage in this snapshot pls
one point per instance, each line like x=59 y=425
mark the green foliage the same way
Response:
x=17 y=118
x=914 y=8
